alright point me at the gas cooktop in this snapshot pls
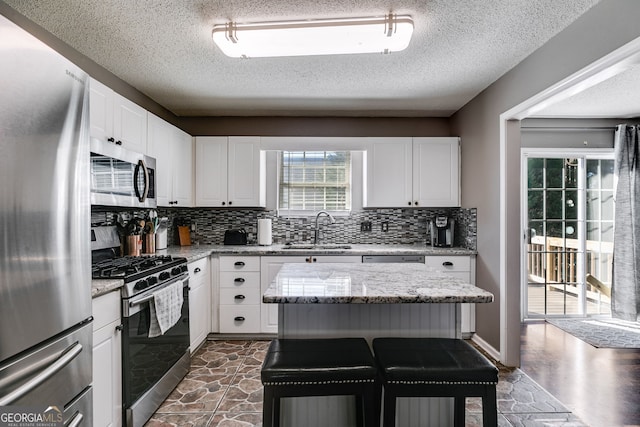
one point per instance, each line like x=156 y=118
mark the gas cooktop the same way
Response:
x=131 y=268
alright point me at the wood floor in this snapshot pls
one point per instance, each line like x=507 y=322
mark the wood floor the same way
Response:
x=599 y=385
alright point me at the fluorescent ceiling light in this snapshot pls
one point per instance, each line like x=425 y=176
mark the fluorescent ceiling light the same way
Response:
x=386 y=34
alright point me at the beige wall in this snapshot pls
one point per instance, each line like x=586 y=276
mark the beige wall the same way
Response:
x=604 y=28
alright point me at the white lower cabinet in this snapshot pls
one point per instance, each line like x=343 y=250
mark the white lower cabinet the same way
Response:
x=107 y=361
x=464 y=267
x=199 y=302
x=239 y=294
x=269 y=267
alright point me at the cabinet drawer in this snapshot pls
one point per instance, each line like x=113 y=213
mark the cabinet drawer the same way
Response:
x=449 y=263
x=240 y=319
x=239 y=279
x=198 y=268
x=106 y=309
x=239 y=263
x=230 y=296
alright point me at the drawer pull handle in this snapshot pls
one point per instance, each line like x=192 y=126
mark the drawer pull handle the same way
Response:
x=447 y=264
x=239 y=264
x=239 y=319
x=241 y=297
x=238 y=280
x=197 y=270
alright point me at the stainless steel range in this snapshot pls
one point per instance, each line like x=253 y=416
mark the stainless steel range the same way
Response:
x=152 y=365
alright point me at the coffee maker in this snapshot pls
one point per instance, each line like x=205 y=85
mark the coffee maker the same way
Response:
x=441 y=228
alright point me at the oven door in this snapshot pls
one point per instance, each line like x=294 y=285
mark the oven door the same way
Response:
x=120 y=177
x=146 y=360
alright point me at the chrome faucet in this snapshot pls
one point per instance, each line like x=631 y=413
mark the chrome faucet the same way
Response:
x=316 y=234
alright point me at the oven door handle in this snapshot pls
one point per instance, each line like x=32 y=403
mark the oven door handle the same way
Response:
x=149 y=297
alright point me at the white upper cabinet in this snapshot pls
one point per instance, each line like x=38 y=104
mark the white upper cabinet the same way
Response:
x=230 y=172
x=173 y=151
x=387 y=173
x=116 y=119
x=436 y=172
x=412 y=172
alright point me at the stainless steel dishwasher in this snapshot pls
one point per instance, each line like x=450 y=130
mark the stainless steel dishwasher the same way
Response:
x=392 y=258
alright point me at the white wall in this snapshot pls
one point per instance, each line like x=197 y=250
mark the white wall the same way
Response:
x=607 y=26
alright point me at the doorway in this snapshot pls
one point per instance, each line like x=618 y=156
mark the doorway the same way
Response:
x=568 y=218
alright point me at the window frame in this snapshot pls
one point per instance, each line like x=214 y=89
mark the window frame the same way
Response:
x=356 y=185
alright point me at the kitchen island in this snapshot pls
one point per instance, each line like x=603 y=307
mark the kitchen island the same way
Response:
x=368 y=300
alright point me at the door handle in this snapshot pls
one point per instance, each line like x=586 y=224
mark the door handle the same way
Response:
x=240 y=297
x=239 y=264
x=238 y=280
x=447 y=264
x=239 y=319
x=63 y=360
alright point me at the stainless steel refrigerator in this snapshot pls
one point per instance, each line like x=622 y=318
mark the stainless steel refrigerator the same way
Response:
x=45 y=258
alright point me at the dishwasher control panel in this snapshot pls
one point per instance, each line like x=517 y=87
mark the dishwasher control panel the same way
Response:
x=392 y=258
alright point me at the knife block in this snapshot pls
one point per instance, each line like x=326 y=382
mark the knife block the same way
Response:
x=184 y=235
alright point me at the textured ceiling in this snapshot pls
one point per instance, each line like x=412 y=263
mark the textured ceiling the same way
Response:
x=164 y=49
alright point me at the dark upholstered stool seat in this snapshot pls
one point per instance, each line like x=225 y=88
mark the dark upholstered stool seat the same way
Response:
x=320 y=367
x=435 y=367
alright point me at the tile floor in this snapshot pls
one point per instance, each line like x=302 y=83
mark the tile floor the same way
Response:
x=223 y=389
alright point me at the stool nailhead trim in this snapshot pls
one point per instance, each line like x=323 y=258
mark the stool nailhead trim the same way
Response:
x=445 y=382
x=318 y=382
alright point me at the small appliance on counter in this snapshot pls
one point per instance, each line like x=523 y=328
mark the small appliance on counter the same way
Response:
x=441 y=229
x=235 y=237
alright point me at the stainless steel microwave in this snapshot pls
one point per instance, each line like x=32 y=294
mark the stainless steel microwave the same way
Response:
x=121 y=177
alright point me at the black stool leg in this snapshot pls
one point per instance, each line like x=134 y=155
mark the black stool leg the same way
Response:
x=489 y=407
x=389 y=409
x=458 y=411
x=371 y=413
x=359 y=410
x=267 y=407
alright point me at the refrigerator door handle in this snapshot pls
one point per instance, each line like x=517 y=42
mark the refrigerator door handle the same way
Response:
x=65 y=357
x=76 y=421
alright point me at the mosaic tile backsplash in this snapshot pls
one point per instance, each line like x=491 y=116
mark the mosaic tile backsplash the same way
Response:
x=404 y=226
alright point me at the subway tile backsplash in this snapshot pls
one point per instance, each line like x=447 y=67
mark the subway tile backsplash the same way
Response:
x=404 y=226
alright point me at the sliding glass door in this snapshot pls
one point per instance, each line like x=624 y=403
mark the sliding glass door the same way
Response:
x=568 y=225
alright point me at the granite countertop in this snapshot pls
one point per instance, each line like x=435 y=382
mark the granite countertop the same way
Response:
x=369 y=284
x=104 y=286
x=195 y=252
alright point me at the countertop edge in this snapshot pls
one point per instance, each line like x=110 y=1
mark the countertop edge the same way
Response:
x=101 y=287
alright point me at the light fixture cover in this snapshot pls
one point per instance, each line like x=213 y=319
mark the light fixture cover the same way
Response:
x=387 y=34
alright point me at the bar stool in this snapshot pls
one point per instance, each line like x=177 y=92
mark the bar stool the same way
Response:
x=321 y=367
x=436 y=367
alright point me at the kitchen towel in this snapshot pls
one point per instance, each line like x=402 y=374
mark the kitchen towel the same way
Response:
x=166 y=309
x=264 y=232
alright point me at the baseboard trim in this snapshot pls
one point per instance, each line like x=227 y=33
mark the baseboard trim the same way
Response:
x=486 y=347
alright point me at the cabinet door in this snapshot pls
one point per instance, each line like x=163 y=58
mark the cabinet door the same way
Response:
x=199 y=302
x=211 y=171
x=182 y=158
x=246 y=174
x=100 y=110
x=436 y=172
x=107 y=361
x=387 y=173
x=159 y=145
x=129 y=124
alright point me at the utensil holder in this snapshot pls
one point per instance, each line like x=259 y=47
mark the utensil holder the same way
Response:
x=134 y=245
x=150 y=243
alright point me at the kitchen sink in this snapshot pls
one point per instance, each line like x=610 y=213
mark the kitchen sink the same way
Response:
x=316 y=247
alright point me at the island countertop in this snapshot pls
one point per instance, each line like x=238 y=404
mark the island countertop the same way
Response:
x=387 y=283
